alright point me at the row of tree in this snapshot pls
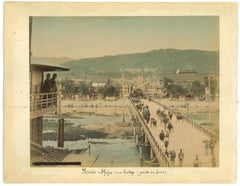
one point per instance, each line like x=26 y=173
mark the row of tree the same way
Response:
x=194 y=89
x=85 y=89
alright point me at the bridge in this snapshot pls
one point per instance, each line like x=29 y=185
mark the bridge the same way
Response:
x=186 y=135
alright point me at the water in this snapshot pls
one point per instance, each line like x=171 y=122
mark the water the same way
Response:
x=90 y=120
x=110 y=152
x=93 y=120
x=117 y=152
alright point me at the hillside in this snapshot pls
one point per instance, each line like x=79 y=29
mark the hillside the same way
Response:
x=156 y=61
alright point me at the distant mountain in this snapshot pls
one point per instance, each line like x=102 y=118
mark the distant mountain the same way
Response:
x=50 y=60
x=148 y=63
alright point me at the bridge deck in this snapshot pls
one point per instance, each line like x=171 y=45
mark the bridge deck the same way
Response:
x=184 y=136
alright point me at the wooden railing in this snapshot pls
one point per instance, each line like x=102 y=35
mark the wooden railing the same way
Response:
x=44 y=103
x=159 y=153
x=194 y=124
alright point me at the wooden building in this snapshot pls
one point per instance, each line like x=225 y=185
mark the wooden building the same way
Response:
x=43 y=103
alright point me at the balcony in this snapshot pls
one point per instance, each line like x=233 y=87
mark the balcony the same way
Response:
x=44 y=103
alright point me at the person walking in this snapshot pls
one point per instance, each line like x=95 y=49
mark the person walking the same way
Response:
x=172 y=156
x=170 y=127
x=197 y=162
x=180 y=158
x=161 y=135
x=167 y=134
x=167 y=153
x=166 y=142
x=211 y=146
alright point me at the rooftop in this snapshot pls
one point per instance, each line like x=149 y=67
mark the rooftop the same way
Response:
x=49 y=67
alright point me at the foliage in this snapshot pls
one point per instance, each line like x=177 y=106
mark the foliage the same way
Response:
x=73 y=88
x=69 y=86
x=213 y=88
x=138 y=93
x=110 y=90
x=84 y=89
x=198 y=89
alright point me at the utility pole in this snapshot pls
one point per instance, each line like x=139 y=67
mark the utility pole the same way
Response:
x=123 y=94
x=209 y=97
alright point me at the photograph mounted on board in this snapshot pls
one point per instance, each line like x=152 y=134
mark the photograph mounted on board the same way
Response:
x=124 y=91
x=120 y=93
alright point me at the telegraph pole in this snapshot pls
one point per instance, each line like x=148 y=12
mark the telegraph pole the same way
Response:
x=123 y=94
x=209 y=97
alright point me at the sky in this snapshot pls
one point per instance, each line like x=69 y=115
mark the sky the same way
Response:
x=87 y=37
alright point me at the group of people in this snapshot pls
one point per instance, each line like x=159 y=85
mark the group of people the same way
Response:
x=165 y=119
x=164 y=137
x=168 y=127
x=171 y=154
x=50 y=84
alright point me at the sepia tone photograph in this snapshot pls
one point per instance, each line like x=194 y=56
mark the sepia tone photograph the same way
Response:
x=120 y=92
x=124 y=91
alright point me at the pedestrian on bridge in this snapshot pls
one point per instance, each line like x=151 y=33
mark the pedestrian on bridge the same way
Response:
x=170 y=115
x=170 y=127
x=167 y=134
x=161 y=135
x=167 y=153
x=211 y=146
x=197 y=162
x=166 y=141
x=180 y=157
x=172 y=156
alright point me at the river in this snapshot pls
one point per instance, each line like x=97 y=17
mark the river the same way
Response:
x=118 y=152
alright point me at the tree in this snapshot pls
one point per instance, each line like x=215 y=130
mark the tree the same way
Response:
x=172 y=88
x=179 y=89
x=84 y=89
x=213 y=88
x=138 y=93
x=197 y=88
x=69 y=85
x=110 y=90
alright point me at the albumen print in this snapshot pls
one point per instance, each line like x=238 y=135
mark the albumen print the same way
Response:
x=120 y=92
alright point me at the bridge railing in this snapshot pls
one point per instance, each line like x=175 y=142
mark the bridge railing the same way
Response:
x=199 y=127
x=159 y=153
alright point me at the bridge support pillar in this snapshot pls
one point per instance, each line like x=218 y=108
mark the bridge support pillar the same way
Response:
x=134 y=131
x=61 y=132
x=137 y=139
x=140 y=152
x=145 y=138
x=151 y=153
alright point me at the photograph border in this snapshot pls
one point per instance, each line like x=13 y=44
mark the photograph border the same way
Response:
x=16 y=93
